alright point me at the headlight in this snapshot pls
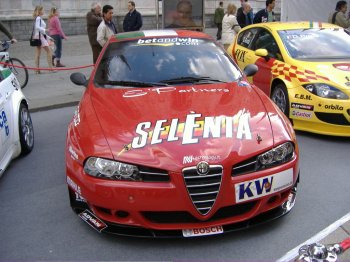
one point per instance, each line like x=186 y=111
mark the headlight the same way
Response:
x=103 y=168
x=276 y=156
x=326 y=91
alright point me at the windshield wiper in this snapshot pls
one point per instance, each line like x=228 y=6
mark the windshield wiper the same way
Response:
x=191 y=79
x=133 y=83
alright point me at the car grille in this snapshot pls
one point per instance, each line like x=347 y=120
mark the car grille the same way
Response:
x=203 y=189
x=331 y=118
x=244 y=167
x=153 y=174
x=176 y=217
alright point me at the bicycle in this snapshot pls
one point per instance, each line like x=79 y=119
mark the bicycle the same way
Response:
x=317 y=252
x=14 y=64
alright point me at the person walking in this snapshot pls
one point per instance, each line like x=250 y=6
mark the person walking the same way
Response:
x=339 y=16
x=93 y=20
x=7 y=33
x=56 y=32
x=133 y=19
x=218 y=16
x=230 y=26
x=107 y=27
x=245 y=14
x=39 y=32
x=267 y=14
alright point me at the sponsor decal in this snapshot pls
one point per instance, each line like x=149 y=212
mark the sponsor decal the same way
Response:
x=15 y=83
x=301 y=114
x=301 y=36
x=343 y=66
x=333 y=107
x=189 y=159
x=348 y=81
x=92 y=220
x=160 y=90
x=192 y=130
x=302 y=106
x=263 y=186
x=76 y=117
x=240 y=55
x=169 y=41
x=73 y=185
x=4 y=123
x=303 y=97
x=73 y=154
x=205 y=231
x=243 y=83
x=79 y=198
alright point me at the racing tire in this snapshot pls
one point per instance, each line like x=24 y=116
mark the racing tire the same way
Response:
x=280 y=97
x=18 y=69
x=26 y=130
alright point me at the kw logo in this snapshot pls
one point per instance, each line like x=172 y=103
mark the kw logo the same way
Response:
x=255 y=188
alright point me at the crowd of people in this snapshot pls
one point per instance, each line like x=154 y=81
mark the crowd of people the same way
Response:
x=100 y=25
x=230 y=22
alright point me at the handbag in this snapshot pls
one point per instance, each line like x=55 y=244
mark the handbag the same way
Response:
x=33 y=41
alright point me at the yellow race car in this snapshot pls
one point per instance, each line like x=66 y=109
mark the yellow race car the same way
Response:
x=305 y=69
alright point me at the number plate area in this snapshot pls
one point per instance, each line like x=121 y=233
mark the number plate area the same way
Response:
x=204 y=231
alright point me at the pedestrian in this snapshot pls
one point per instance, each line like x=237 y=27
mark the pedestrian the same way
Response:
x=93 y=20
x=338 y=17
x=218 y=16
x=230 y=26
x=56 y=32
x=7 y=33
x=39 y=32
x=267 y=14
x=133 y=19
x=107 y=27
x=245 y=14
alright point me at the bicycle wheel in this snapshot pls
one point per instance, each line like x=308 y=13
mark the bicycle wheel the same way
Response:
x=18 y=69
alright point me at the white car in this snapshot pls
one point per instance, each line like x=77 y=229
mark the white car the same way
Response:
x=16 y=128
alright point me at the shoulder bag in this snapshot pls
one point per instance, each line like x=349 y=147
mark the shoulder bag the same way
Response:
x=32 y=41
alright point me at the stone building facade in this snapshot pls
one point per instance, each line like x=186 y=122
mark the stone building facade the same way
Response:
x=17 y=14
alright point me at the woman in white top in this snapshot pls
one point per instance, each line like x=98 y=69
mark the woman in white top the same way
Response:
x=40 y=30
x=230 y=26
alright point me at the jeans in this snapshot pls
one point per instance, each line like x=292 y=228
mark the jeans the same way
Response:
x=58 y=44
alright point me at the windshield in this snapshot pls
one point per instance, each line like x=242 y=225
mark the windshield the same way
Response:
x=316 y=44
x=164 y=61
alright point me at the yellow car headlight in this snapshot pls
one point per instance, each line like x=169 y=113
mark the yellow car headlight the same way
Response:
x=325 y=91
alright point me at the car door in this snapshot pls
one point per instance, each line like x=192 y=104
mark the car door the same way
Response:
x=6 y=122
x=243 y=53
x=261 y=39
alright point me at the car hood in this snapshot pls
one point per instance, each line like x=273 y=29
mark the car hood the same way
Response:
x=336 y=73
x=171 y=127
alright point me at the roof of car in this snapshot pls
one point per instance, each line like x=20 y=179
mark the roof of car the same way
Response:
x=160 y=33
x=275 y=26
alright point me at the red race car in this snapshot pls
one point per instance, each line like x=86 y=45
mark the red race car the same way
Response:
x=169 y=139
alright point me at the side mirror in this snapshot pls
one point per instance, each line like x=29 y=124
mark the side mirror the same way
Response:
x=263 y=53
x=79 y=79
x=250 y=70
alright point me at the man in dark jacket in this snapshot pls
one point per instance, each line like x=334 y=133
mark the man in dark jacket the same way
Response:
x=245 y=14
x=266 y=15
x=219 y=14
x=133 y=19
x=93 y=20
x=7 y=33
